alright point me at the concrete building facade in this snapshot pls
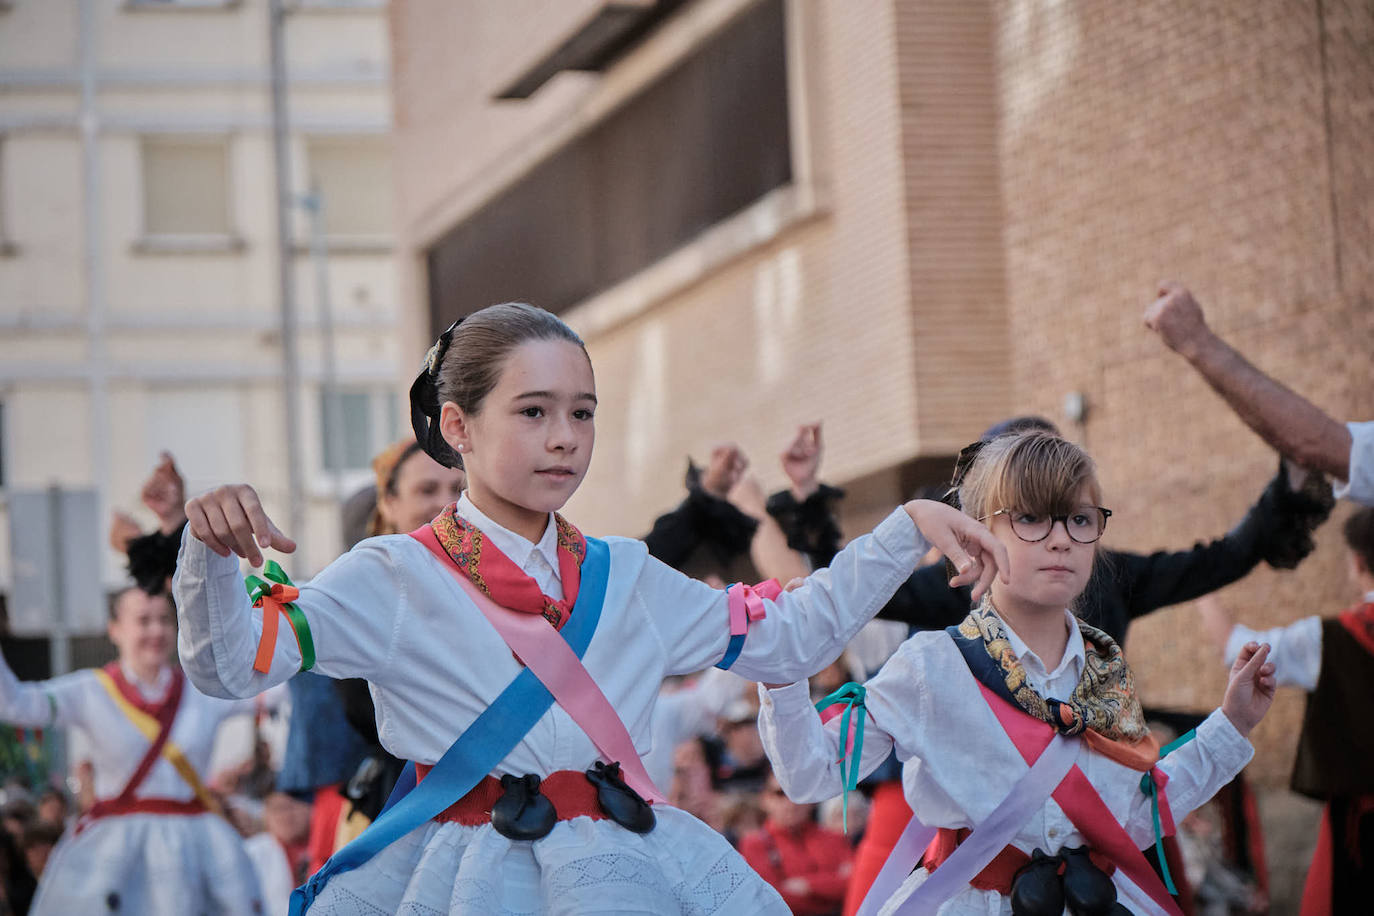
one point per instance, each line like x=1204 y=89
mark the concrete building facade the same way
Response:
x=139 y=303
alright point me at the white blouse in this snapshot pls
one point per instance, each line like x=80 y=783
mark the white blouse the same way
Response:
x=390 y=612
x=1295 y=649
x=958 y=763
x=78 y=700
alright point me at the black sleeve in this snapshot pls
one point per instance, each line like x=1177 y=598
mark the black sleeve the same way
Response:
x=700 y=519
x=1277 y=529
x=925 y=600
x=810 y=526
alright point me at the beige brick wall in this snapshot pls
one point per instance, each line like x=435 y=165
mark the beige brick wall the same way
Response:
x=1190 y=141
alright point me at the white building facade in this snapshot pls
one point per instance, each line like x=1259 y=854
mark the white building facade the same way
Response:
x=139 y=258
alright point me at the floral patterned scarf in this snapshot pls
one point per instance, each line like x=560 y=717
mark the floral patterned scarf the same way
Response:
x=1104 y=701
x=498 y=576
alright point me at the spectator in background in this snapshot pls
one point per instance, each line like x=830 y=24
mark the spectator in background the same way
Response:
x=39 y=840
x=1290 y=423
x=412 y=489
x=52 y=807
x=807 y=863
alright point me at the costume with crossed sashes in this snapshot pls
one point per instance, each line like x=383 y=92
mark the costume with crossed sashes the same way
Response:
x=391 y=612
x=960 y=763
x=151 y=844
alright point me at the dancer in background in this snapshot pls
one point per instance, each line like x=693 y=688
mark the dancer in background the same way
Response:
x=1332 y=658
x=153 y=842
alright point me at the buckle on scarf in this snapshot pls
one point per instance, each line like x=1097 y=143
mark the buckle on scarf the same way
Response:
x=1049 y=883
x=618 y=801
x=522 y=813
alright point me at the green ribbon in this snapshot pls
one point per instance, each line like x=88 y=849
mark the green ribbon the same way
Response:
x=1147 y=785
x=261 y=587
x=852 y=695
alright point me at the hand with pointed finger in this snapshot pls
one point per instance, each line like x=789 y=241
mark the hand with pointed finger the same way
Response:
x=1251 y=688
x=966 y=542
x=230 y=519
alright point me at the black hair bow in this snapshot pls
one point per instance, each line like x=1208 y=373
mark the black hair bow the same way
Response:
x=424 y=403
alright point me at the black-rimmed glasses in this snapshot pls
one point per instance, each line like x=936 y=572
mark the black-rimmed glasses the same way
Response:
x=1084 y=524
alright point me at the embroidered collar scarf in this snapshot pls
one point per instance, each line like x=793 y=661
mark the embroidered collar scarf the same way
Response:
x=1359 y=621
x=500 y=578
x=1104 y=701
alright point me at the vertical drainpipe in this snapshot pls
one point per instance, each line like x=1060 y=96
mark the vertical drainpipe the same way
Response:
x=295 y=476
x=93 y=265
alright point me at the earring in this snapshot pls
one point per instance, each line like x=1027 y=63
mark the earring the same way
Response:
x=460 y=446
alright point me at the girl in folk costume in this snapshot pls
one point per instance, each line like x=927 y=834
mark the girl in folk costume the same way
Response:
x=1034 y=781
x=531 y=796
x=153 y=843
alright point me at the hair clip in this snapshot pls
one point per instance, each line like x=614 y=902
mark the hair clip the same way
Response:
x=967 y=455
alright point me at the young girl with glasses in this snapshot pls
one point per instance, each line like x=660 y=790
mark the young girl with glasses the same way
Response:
x=969 y=709
x=548 y=827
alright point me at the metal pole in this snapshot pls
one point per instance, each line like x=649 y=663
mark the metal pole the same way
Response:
x=333 y=410
x=93 y=255
x=281 y=154
x=59 y=645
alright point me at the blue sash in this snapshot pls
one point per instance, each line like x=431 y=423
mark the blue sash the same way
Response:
x=487 y=741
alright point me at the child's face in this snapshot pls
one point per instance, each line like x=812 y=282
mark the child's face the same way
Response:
x=143 y=629
x=1047 y=574
x=528 y=448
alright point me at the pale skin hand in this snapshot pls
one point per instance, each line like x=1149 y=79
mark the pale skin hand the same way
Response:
x=123 y=529
x=230 y=519
x=1287 y=421
x=165 y=492
x=727 y=465
x=1251 y=688
x=801 y=461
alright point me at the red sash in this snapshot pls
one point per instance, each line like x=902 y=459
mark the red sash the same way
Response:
x=1084 y=807
x=164 y=711
x=1359 y=621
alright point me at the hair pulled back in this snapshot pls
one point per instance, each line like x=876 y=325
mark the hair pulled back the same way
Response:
x=1359 y=535
x=466 y=363
x=1031 y=471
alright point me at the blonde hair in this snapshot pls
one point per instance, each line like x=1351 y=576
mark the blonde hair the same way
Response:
x=1028 y=472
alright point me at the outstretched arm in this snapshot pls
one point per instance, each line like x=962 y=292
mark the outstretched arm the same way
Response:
x=1283 y=418
x=348 y=608
x=803 y=630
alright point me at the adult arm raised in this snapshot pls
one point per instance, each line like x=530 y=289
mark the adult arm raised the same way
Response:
x=1286 y=420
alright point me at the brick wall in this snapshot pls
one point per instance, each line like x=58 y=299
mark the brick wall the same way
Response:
x=1227 y=146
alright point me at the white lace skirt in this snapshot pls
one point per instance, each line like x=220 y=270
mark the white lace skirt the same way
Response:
x=154 y=864
x=582 y=867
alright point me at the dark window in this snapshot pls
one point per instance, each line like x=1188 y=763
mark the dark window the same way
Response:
x=706 y=140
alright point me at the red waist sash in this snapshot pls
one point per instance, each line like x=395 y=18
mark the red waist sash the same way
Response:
x=572 y=793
